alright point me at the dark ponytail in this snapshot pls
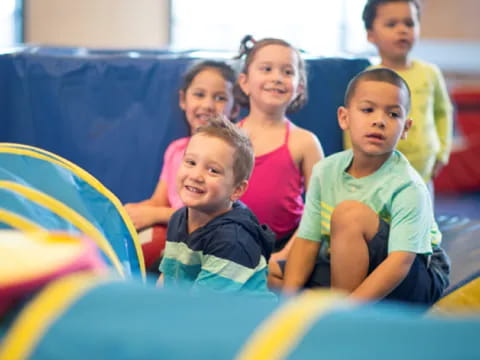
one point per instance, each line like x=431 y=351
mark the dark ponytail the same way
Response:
x=246 y=45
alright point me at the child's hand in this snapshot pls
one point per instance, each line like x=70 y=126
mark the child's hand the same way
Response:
x=139 y=214
x=436 y=168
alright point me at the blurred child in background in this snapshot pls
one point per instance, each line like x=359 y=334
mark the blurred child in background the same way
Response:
x=393 y=26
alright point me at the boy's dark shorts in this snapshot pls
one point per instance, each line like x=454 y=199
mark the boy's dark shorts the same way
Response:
x=424 y=284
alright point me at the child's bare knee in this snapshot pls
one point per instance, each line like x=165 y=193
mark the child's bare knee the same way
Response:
x=350 y=212
x=353 y=216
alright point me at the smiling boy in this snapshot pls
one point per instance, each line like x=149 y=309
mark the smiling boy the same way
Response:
x=368 y=226
x=215 y=242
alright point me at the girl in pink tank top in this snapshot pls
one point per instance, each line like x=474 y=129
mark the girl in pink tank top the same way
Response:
x=272 y=84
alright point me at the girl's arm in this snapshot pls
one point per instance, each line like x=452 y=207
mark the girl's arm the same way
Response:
x=312 y=153
x=155 y=210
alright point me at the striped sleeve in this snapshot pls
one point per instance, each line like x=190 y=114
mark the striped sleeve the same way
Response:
x=224 y=275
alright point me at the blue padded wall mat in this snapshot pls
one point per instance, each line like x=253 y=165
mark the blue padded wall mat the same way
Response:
x=114 y=114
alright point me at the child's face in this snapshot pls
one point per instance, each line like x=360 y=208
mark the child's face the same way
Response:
x=205 y=179
x=272 y=82
x=209 y=94
x=376 y=118
x=395 y=29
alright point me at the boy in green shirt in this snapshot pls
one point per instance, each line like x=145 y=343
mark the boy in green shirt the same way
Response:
x=368 y=226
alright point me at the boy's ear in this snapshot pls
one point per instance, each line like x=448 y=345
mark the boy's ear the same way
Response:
x=239 y=190
x=342 y=115
x=406 y=127
x=181 y=99
x=242 y=82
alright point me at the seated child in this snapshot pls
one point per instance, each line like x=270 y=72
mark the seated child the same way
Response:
x=207 y=90
x=368 y=226
x=273 y=84
x=215 y=242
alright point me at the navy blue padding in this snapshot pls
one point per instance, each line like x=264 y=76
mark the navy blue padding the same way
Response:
x=114 y=114
x=327 y=81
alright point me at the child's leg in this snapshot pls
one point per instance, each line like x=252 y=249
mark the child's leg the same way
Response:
x=320 y=276
x=353 y=224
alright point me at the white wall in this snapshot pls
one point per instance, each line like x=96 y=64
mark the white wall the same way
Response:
x=450 y=37
x=450 y=33
x=145 y=23
x=97 y=23
x=451 y=19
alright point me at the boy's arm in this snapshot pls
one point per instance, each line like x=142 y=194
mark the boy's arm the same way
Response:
x=386 y=277
x=303 y=252
x=228 y=261
x=300 y=263
x=411 y=222
x=443 y=112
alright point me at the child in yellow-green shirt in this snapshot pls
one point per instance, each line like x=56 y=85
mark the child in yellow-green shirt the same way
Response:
x=393 y=27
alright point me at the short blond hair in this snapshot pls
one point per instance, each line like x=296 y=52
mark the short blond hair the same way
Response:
x=221 y=128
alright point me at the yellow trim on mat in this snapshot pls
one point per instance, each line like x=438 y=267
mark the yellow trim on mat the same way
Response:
x=18 y=222
x=39 y=153
x=462 y=301
x=71 y=215
x=35 y=319
x=277 y=335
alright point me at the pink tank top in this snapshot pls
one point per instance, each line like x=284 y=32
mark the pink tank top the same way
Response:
x=171 y=163
x=275 y=190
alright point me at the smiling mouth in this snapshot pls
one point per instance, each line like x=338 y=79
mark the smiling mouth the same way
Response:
x=203 y=117
x=275 y=90
x=194 y=189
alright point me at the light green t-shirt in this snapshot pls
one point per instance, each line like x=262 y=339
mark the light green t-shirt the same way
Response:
x=395 y=192
x=430 y=137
